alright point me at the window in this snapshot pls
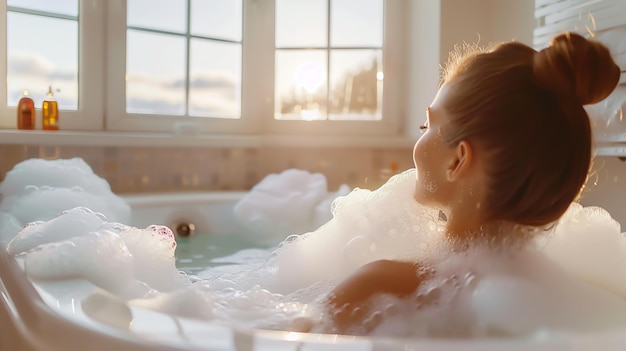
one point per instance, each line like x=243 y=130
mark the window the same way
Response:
x=184 y=58
x=328 y=59
x=322 y=67
x=57 y=45
x=37 y=61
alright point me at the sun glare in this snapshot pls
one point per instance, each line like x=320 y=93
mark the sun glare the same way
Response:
x=309 y=76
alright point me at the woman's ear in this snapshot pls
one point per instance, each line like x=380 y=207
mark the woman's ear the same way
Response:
x=460 y=162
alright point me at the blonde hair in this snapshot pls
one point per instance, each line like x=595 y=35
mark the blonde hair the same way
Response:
x=523 y=112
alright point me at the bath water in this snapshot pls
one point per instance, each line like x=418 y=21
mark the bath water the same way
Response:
x=203 y=251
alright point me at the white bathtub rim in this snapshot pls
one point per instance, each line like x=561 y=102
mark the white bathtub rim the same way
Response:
x=181 y=198
x=42 y=328
x=109 y=337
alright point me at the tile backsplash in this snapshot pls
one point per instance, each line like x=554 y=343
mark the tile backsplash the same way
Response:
x=166 y=169
x=134 y=170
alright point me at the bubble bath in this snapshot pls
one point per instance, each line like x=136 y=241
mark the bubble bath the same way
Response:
x=565 y=284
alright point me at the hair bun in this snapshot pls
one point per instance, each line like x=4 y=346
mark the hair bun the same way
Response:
x=573 y=66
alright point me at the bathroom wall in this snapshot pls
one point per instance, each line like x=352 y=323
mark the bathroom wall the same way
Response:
x=606 y=187
x=485 y=22
x=164 y=169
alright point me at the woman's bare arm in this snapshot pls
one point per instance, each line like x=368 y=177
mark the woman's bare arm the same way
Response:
x=348 y=303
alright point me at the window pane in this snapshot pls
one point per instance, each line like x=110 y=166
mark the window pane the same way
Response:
x=65 y=7
x=356 y=23
x=36 y=61
x=216 y=19
x=215 y=79
x=166 y=15
x=301 y=23
x=301 y=84
x=155 y=73
x=356 y=85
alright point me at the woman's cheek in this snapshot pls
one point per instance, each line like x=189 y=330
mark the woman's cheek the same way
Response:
x=419 y=151
x=415 y=149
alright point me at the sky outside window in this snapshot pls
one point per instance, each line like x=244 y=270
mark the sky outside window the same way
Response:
x=181 y=68
x=43 y=51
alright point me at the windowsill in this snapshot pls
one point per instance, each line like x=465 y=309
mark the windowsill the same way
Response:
x=129 y=139
x=616 y=148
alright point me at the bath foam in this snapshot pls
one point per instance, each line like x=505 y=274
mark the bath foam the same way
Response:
x=53 y=173
x=485 y=293
x=291 y=202
x=386 y=223
x=191 y=302
x=80 y=243
x=99 y=257
x=38 y=189
x=44 y=202
x=588 y=243
x=74 y=222
x=479 y=292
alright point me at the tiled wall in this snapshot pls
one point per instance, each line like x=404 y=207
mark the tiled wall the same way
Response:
x=166 y=169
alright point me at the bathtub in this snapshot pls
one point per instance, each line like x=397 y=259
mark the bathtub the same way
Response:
x=40 y=316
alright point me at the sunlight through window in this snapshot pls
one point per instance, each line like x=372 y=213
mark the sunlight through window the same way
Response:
x=328 y=60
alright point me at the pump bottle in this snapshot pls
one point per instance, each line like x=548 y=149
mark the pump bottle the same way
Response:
x=26 y=112
x=50 y=111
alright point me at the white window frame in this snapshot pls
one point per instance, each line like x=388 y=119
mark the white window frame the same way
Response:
x=90 y=112
x=101 y=104
x=258 y=83
x=117 y=119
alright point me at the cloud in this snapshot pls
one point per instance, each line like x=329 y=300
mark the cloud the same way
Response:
x=213 y=81
x=211 y=95
x=209 y=107
x=23 y=63
x=153 y=106
x=207 y=81
x=203 y=81
x=63 y=76
x=33 y=72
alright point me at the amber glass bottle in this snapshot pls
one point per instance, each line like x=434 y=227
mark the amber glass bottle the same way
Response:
x=26 y=112
x=50 y=112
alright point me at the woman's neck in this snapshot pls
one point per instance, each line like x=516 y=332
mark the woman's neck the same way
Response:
x=462 y=221
x=466 y=231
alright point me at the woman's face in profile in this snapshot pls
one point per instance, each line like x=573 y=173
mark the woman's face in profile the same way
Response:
x=431 y=156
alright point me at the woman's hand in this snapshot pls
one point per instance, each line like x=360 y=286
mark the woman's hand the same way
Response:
x=349 y=302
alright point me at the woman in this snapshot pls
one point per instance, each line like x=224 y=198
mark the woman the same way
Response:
x=506 y=148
